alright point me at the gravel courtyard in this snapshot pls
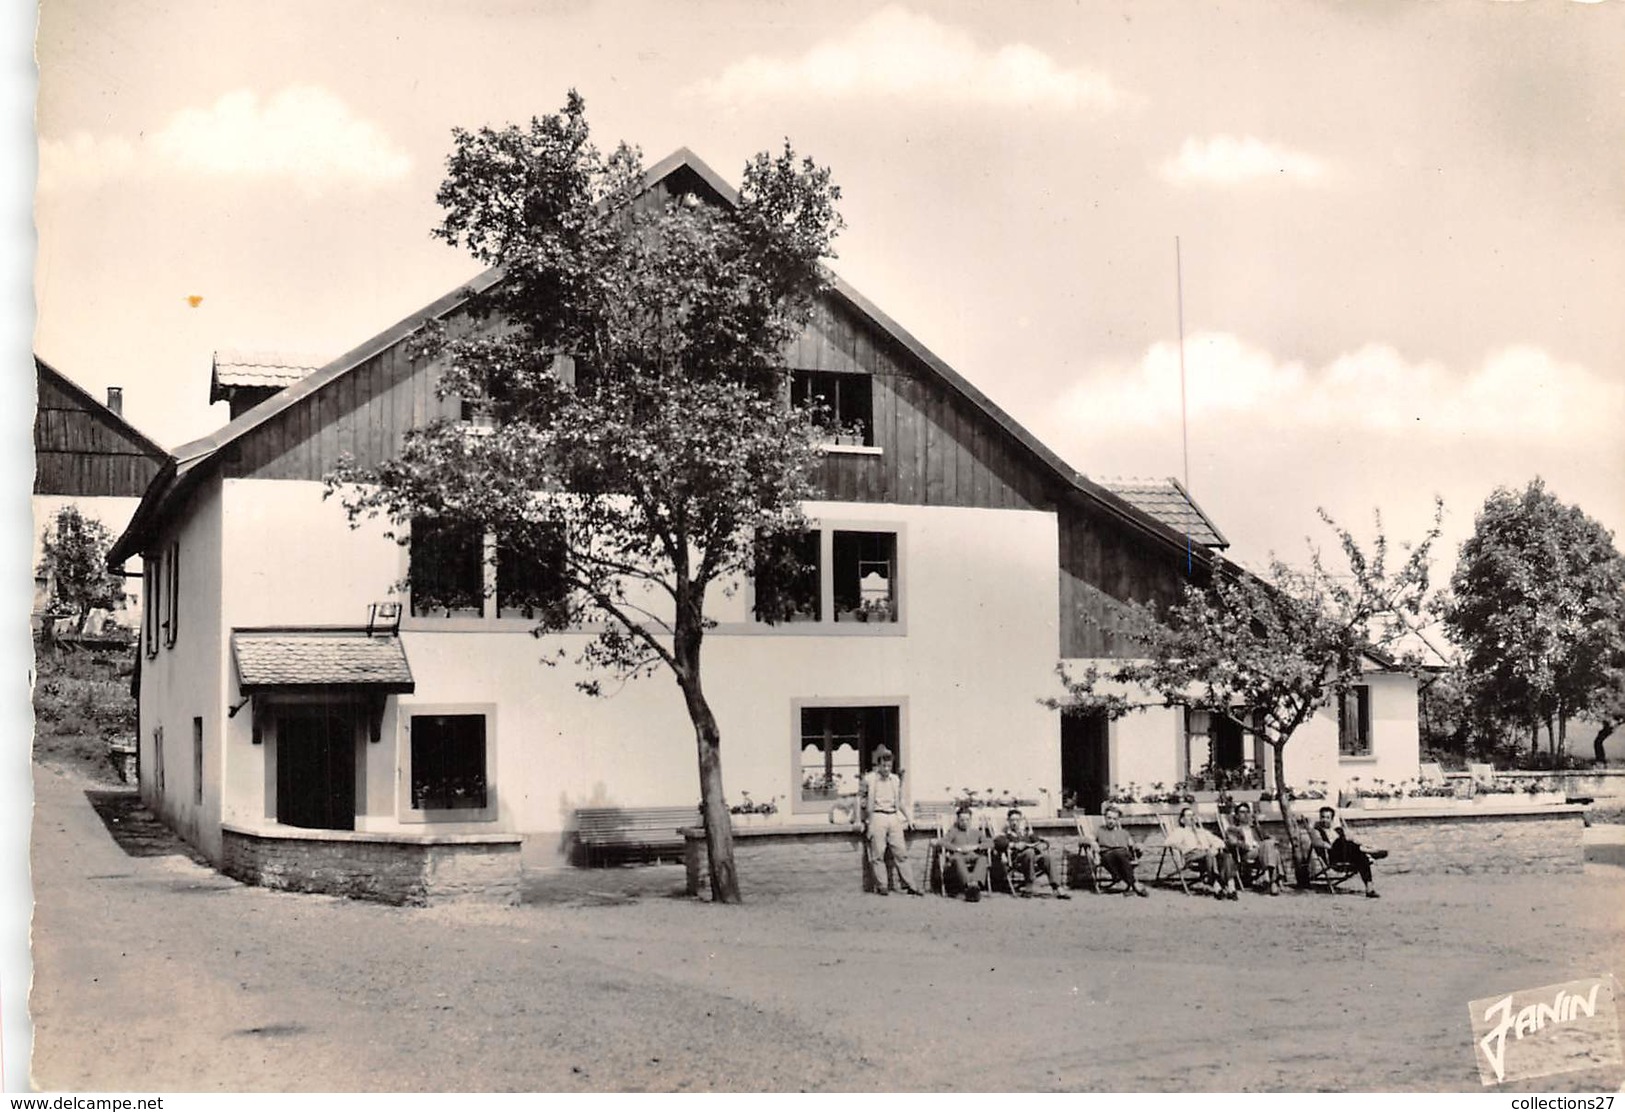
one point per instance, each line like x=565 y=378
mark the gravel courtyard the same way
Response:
x=153 y=973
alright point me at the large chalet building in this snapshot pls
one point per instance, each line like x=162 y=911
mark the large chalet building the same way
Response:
x=958 y=561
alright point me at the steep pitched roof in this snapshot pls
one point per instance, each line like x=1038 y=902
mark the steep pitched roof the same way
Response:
x=1170 y=503
x=138 y=439
x=191 y=460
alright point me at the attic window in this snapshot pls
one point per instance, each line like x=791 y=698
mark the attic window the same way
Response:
x=847 y=402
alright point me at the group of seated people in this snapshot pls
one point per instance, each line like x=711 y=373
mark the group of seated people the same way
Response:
x=1245 y=854
x=968 y=856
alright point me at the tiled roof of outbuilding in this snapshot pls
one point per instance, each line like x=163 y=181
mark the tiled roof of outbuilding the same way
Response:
x=279 y=659
x=258 y=368
x=1169 y=503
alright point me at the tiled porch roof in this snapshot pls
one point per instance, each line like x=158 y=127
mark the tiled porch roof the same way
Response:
x=280 y=659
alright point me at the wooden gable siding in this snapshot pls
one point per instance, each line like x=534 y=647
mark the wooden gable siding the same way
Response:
x=937 y=448
x=81 y=451
x=364 y=414
x=1104 y=564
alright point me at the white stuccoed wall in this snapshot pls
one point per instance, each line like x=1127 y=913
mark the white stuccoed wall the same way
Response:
x=974 y=652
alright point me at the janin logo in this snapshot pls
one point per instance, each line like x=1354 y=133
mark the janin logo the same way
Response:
x=1546 y=1030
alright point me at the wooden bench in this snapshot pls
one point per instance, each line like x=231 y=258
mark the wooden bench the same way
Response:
x=611 y=835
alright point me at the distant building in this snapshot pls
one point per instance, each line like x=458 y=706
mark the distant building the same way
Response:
x=87 y=455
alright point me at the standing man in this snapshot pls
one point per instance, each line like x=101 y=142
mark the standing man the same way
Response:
x=884 y=824
x=966 y=853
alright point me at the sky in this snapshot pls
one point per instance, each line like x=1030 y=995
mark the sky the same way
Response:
x=1400 y=224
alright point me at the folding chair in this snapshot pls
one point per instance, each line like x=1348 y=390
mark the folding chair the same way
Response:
x=1097 y=877
x=1171 y=865
x=1244 y=869
x=1332 y=875
x=936 y=871
x=1001 y=871
x=1430 y=773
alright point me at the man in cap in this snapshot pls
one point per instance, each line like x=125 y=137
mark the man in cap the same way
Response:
x=884 y=823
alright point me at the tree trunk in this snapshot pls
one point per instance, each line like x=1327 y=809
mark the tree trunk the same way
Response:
x=1597 y=749
x=719 y=839
x=1300 y=866
x=1562 y=732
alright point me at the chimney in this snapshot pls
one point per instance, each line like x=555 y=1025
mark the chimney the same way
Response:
x=115 y=400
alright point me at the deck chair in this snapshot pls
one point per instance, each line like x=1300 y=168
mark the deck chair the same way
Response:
x=936 y=869
x=1246 y=871
x=1330 y=875
x=1482 y=773
x=1171 y=866
x=1430 y=773
x=1096 y=877
x=1001 y=871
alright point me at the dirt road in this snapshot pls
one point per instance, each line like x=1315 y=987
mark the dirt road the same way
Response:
x=154 y=973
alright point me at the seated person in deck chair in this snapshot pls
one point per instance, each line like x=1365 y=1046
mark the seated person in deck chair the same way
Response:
x=1253 y=849
x=1029 y=854
x=1331 y=837
x=1118 y=851
x=965 y=854
x=1200 y=847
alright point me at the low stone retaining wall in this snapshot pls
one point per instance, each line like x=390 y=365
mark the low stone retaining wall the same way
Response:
x=1485 y=839
x=389 y=868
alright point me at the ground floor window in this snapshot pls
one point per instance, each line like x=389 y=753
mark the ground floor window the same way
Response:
x=448 y=757
x=1219 y=754
x=836 y=748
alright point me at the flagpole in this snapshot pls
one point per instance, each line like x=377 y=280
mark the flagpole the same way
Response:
x=1184 y=435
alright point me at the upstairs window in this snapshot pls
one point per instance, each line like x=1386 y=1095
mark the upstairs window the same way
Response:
x=531 y=574
x=151 y=574
x=447 y=569
x=1354 y=722
x=847 y=401
x=788 y=579
x=865 y=576
x=172 y=595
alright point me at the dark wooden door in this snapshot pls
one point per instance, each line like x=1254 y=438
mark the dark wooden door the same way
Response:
x=1085 y=760
x=315 y=768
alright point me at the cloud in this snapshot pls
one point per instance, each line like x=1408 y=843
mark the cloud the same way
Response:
x=898 y=54
x=1226 y=160
x=302 y=135
x=1517 y=394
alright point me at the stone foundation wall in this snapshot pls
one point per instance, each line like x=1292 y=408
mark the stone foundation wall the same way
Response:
x=387 y=869
x=1549 y=840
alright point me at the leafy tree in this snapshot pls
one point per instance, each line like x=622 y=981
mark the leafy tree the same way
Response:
x=74 y=564
x=1536 y=606
x=637 y=395
x=1265 y=653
